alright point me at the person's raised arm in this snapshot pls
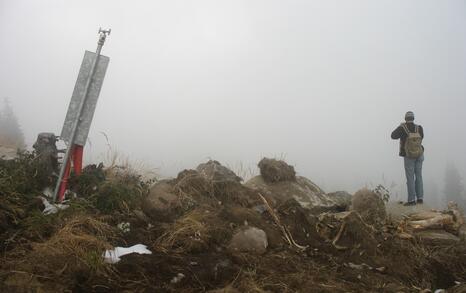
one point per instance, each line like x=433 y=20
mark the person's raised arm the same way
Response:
x=396 y=134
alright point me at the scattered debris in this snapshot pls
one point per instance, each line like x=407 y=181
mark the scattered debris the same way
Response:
x=434 y=227
x=362 y=266
x=52 y=208
x=365 y=266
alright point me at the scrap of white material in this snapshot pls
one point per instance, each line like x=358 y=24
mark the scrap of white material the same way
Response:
x=52 y=208
x=113 y=256
x=48 y=192
x=177 y=278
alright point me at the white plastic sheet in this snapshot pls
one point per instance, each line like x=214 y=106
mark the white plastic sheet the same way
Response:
x=113 y=256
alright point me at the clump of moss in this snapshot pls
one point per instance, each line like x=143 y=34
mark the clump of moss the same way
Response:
x=23 y=175
x=110 y=190
x=88 y=182
x=117 y=197
x=21 y=181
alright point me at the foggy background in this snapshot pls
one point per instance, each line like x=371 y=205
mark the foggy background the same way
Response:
x=319 y=83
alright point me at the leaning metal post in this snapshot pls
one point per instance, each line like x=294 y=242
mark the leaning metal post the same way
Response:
x=102 y=36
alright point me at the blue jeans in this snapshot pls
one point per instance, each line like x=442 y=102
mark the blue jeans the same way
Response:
x=413 y=169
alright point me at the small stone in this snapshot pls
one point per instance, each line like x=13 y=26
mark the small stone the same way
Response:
x=250 y=239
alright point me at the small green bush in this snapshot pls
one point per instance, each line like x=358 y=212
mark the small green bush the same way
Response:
x=114 y=196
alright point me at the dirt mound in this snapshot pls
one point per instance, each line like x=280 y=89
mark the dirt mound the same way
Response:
x=370 y=206
x=75 y=249
x=348 y=231
x=273 y=170
x=190 y=239
x=213 y=184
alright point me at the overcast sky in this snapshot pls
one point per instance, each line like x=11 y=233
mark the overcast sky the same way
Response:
x=320 y=83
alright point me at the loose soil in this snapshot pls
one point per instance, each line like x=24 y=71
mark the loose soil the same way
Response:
x=63 y=252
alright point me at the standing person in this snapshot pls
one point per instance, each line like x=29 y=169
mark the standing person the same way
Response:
x=411 y=149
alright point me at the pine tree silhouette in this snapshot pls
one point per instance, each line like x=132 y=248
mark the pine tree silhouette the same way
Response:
x=10 y=130
x=453 y=185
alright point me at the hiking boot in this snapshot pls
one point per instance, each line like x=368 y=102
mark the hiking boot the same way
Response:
x=409 y=203
x=420 y=201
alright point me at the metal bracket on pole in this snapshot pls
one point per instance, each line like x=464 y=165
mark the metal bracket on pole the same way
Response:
x=102 y=37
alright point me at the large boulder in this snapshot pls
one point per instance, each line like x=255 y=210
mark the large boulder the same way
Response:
x=211 y=181
x=342 y=200
x=192 y=183
x=226 y=186
x=214 y=171
x=303 y=190
x=273 y=170
x=162 y=204
x=249 y=239
x=370 y=206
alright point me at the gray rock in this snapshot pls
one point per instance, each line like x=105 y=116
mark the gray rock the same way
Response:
x=215 y=172
x=161 y=203
x=342 y=199
x=273 y=170
x=250 y=239
x=303 y=190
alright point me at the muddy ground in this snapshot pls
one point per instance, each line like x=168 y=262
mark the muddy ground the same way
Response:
x=191 y=247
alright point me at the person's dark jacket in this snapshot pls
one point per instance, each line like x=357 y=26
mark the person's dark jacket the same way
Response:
x=400 y=133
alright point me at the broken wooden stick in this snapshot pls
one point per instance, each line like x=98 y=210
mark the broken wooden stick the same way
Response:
x=287 y=235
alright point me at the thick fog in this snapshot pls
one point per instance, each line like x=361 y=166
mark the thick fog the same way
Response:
x=321 y=84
